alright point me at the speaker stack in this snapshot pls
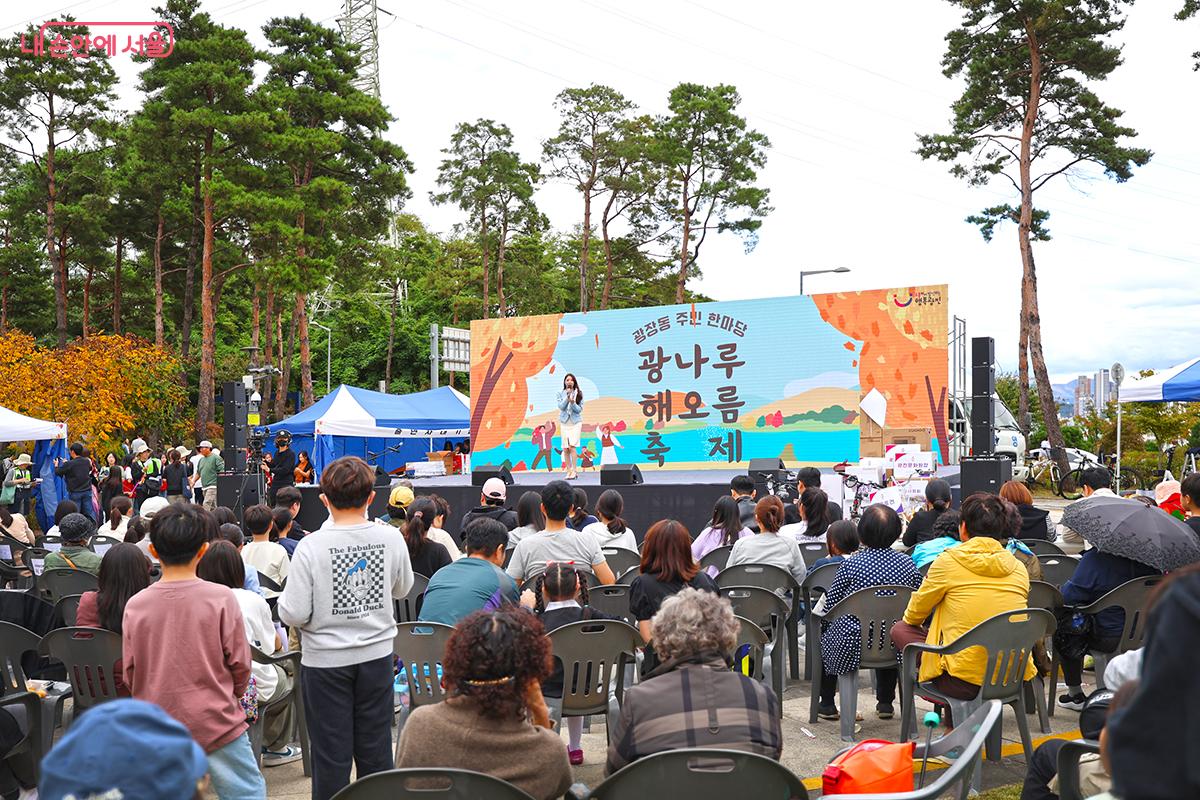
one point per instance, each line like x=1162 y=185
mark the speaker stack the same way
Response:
x=481 y=473
x=620 y=475
x=982 y=471
x=233 y=397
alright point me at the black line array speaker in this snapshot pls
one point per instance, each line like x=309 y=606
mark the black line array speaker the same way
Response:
x=983 y=386
x=239 y=491
x=233 y=401
x=485 y=471
x=984 y=474
x=620 y=475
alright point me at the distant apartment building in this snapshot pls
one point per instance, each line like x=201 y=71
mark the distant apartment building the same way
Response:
x=1101 y=390
x=1092 y=392
x=1084 y=401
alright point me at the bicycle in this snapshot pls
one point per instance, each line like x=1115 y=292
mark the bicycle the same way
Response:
x=862 y=490
x=1071 y=485
x=1044 y=467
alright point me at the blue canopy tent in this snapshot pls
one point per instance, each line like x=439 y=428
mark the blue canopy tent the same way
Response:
x=1180 y=383
x=49 y=440
x=358 y=422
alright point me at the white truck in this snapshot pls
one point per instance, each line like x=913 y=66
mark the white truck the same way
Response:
x=1010 y=442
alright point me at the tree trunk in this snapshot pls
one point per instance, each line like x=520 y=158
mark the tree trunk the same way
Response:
x=159 y=332
x=4 y=287
x=483 y=244
x=306 y=379
x=56 y=263
x=1023 y=416
x=116 y=302
x=285 y=379
x=500 y=262
x=204 y=405
x=584 y=246
x=255 y=319
x=608 y=257
x=87 y=297
x=1029 y=275
x=272 y=322
x=684 y=246
x=387 y=367
x=189 y=279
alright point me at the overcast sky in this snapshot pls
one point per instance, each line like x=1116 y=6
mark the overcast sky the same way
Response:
x=841 y=89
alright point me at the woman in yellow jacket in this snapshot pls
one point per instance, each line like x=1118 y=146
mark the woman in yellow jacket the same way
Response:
x=966 y=585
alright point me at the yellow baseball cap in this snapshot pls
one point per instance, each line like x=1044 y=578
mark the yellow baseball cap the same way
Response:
x=401 y=497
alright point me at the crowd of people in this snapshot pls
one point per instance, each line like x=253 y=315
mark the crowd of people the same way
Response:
x=191 y=588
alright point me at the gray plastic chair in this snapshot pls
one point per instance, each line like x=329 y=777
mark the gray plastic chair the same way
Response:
x=621 y=559
x=420 y=647
x=68 y=607
x=812 y=552
x=877 y=609
x=717 y=558
x=91 y=656
x=816 y=583
x=257 y=730
x=1047 y=596
x=625 y=578
x=963 y=745
x=15 y=642
x=1041 y=547
x=612 y=601
x=1057 y=570
x=34 y=559
x=1068 y=767
x=754 y=636
x=27 y=746
x=408 y=607
x=1130 y=596
x=592 y=653
x=1007 y=639
x=58 y=583
x=430 y=784
x=783 y=584
x=701 y=774
x=768 y=611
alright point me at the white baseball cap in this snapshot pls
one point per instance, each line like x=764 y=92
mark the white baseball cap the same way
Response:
x=205 y=443
x=495 y=489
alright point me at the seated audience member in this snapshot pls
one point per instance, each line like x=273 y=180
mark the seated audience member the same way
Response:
x=1189 y=500
x=16 y=526
x=842 y=540
x=491 y=505
x=474 y=583
x=580 y=518
x=233 y=535
x=810 y=478
x=1035 y=522
x=557 y=542
x=224 y=516
x=1098 y=573
x=793 y=523
x=667 y=568
x=495 y=719
x=767 y=546
x=124 y=572
x=138 y=533
x=281 y=527
x=185 y=632
x=610 y=530
x=965 y=585
x=1094 y=482
x=61 y=510
x=741 y=489
x=437 y=532
x=1168 y=495
x=75 y=530
x=397 y=508
x=693 y=699
x=18 y=771
x=945 y=536
x=876 y=564
x=222 y=565
x=556 y=599
x=266 y=556
x=814 y=512
x=723 y=530
x=427 y=556
x=530 y=519
x=289 y=497
x=125 y=749
x=937 y=502
x=120 y=511
x=1151 y=742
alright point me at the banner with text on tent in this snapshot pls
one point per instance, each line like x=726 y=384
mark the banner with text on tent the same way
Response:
x=710 y=385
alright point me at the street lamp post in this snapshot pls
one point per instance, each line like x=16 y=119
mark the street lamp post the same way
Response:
x=819 y=272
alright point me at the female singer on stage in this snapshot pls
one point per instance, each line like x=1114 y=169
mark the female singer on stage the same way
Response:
x=570 y=417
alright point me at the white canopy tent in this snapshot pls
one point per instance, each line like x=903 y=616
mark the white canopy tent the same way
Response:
x=16 y=427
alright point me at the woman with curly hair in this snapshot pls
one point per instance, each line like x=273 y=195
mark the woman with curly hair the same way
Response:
x=494 y=719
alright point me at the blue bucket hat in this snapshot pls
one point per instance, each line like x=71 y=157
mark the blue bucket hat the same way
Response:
x=126 y=746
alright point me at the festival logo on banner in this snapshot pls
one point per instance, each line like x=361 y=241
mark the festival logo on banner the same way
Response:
x=710 y=385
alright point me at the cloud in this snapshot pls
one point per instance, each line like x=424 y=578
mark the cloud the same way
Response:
x=572 y=330
x=842 y=380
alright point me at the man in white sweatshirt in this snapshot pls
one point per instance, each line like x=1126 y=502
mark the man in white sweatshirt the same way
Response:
x=339 y=594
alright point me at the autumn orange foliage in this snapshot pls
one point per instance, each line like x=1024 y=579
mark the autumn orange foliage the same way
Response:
x=504 y=352
x=103 y=387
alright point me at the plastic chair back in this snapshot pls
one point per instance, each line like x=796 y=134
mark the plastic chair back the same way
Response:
x=420 y=646
x=817 y=582
x=69 y=608
x=408 y=607
x=612 y=601
x=812 y=552
x=1041 y=547
x=1008 y=638
x=1044 y=595
x=1057 y=570
x=269 y=583
x=1130 y=596
x=626 y=577
x=34 y=559
x=590 y=652
x=91 y=656
x=877 y=609
x=717 y=558
x=757 y=640
x=700 y=774
x=60 y=582
x=761 y=606
x=430 y=784
x=15 y=642
x=621 y=559
x=1068 y=767
x=765 y=576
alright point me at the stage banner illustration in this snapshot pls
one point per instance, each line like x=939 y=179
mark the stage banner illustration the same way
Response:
x=713 y=385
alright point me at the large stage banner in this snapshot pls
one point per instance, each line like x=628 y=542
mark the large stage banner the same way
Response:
x=711 y=385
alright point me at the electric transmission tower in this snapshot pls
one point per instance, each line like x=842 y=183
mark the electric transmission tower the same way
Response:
x=360 y=25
